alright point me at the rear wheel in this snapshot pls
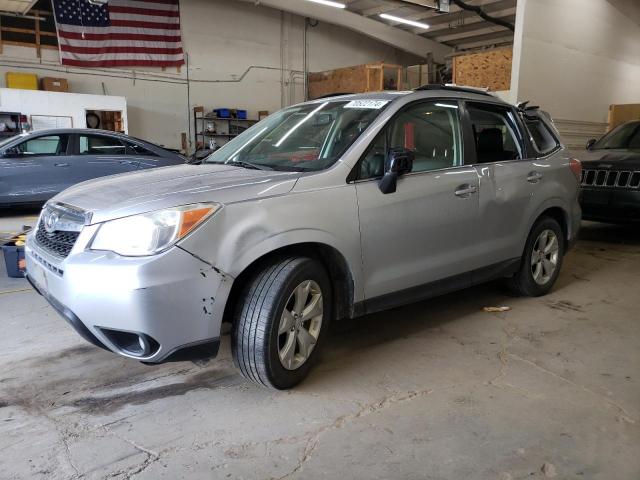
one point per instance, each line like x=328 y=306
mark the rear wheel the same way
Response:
x=280 y=322
x=541 y=260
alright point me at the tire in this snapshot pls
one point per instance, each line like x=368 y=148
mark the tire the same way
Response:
x=525 y=282
x=256 y=344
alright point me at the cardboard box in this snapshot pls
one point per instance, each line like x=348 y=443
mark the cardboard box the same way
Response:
x=51 y=84
x=24 y=81
x=619 y=114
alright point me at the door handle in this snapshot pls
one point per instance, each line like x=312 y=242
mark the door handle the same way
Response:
x=534 y=177
x=60 y=164
x=465 y=190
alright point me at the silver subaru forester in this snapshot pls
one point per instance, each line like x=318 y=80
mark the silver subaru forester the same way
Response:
x=329 y=209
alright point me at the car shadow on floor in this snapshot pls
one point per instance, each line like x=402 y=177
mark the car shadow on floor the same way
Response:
x=610 y=233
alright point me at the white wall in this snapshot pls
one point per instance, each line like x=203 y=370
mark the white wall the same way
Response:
x=575 y=57
x=74 y=105
x=223 y=39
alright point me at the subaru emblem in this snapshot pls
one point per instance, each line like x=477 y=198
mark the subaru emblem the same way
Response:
x=50 y=221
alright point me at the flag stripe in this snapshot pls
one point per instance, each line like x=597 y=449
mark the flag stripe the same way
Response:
x=117 y=30
x=118 y=49
x=142 y=11
x=120 y=43
x=129 y=37
x=121 y=63
x=137 y=24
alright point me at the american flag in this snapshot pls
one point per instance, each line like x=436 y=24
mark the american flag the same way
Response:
x=121 y=33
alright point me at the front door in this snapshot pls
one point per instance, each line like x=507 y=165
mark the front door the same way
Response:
x=424 y=232
x=35 y=169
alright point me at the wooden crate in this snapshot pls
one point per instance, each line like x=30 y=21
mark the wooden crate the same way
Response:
x=370 y=77
x=489 y=69
x=619 y=114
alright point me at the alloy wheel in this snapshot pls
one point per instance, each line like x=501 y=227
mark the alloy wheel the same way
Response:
x=300 y=325
x=544 y=257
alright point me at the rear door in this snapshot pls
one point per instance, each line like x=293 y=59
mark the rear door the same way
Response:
x=99 y=155
x=423 y=232
x=35 y=169
x=510 y=178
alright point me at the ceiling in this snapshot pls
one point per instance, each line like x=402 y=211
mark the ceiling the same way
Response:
x=16 y=6
x=461 y=29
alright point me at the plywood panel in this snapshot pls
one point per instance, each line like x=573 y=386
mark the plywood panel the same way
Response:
x=490 y=69
x=341 y=80
x=356 y=79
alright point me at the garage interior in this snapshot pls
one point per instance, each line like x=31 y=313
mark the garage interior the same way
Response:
x=446 y=388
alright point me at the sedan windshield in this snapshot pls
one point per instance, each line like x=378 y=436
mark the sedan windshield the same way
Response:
x=307 y=137
x=626 y=135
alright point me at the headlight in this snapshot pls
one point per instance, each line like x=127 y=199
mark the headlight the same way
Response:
x=150 y=233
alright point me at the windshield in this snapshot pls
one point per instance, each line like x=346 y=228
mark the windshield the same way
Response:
x=626 y=135
x=11 y=139
x=307 y=137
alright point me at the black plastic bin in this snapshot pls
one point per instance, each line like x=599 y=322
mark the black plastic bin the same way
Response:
x=12 y=259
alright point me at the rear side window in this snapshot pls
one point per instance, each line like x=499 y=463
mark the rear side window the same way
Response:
x=99 y=145
x=141 y=150
x=494 y=131
x=543 y=140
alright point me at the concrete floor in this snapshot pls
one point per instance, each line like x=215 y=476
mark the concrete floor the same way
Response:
x=435 y=390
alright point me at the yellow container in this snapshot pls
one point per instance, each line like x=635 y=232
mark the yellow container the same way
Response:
x=25 y=81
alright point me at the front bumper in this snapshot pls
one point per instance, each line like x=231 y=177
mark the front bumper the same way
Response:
x=169 y=301
x=610 y=205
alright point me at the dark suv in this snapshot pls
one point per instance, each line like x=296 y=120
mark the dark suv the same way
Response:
x=611 y=177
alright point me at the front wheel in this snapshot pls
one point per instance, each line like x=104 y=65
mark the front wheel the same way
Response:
x=280 y=322
x=541 y=260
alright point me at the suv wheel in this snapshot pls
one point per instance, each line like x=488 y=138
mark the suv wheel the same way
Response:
x=541 y=261
x=280 y=322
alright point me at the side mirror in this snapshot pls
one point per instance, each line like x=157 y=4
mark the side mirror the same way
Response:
x=398 y=162
x=590 y=143
x=12 y=152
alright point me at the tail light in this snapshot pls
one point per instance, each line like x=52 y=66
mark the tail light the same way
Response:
x=576 y=167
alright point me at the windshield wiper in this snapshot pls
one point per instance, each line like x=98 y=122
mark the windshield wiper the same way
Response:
x=249 y=165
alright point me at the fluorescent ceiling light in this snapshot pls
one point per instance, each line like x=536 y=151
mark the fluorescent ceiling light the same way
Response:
x=329 y=4
x=403 y=20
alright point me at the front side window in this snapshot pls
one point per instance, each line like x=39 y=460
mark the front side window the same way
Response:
x=543 y=140
x=99 y=145
x=430 y=130
x=624 y=136
x=49 y=145
x=494 y=130
x=307 y=137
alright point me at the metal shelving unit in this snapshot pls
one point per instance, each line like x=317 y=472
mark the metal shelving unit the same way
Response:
x=224 y=128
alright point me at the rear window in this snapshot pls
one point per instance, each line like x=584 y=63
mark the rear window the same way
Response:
x=543 y=140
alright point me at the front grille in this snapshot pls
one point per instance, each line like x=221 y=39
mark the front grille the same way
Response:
x=58 y=243
x=610 y=178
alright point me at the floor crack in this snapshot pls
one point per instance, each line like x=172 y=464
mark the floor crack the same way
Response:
x=626 y=416
x=340 y=422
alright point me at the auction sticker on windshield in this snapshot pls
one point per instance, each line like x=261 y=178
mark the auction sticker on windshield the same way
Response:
x=372 y=104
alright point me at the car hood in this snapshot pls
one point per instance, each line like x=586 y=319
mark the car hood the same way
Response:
x=616 y=159
x=139 y=192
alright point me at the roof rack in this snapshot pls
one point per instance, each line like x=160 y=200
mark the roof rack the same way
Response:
x=454 y=88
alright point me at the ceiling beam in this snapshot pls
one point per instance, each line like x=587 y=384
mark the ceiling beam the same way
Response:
x=468 y=24
x=397 y=38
